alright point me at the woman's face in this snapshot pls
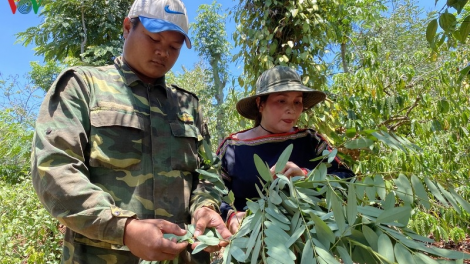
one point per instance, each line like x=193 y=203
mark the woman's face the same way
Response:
x=281 y=111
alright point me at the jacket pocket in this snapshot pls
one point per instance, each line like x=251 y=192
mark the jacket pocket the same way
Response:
x=184 y=152
x=116 y=139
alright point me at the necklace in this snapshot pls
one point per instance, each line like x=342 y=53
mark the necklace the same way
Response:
x=266 y=129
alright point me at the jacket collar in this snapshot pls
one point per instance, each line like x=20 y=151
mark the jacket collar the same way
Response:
x=129 y=75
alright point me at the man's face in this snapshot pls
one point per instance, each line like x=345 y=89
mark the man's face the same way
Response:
x=150 y=55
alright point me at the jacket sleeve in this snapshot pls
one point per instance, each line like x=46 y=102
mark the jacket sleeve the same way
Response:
x=59 y=164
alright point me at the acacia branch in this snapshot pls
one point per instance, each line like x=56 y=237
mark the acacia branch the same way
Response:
x=400 y=119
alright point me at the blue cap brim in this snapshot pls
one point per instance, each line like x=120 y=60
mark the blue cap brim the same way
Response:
x=159 y=25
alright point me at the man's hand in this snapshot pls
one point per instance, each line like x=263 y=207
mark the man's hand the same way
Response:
x=290 y=170
x=205 y=217
x=144 y=238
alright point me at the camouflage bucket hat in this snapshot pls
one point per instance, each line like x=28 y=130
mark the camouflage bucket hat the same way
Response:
x=275 y=80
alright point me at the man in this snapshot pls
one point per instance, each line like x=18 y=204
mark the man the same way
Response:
x=115 y=151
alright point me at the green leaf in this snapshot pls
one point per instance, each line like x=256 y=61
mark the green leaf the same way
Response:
x=360 y=143
x=450 y=198
x=380 y=185
x=256 y=250
x=253 y=206
x=208 y=152
x=464 y=73
x=465 y=205
x=227 y=256
x=424 y=259
x=396 y=213
x=351 y=208
x=332 y=155
x=296 y=235
x=403 y=255
x=253 y=236
x=431 y=31
x=212 y=177
x=326 y=256
x=320 y=172
x=230 y=198
x=369 y=211
x=325 y=235
x=307 y=254
x=261 y=195
x=389 y=201
x=280 y=252
x=370 y=188
x=338 y=213
x=351 y=132
x=278 y=215
x=276 y=234
x=385 y=248
x=263 y=169
x=404 y=190
x=273 y=220
x=447 y=21
x=274 y=197
x=420 y=191
x=208 y=240
x=288 y=202
x=237 y=253
x=433 y=189
x=371 y=237
x=415 y=236
x=283 y=159
x=199 y=248
x=465 y=29
x=344 y=254
x=295 y=220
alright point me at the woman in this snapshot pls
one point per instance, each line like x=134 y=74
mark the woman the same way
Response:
x=279 y=100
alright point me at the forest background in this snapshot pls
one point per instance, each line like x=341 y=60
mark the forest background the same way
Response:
x=396 y=79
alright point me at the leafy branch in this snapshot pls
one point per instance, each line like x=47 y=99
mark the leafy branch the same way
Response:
x=323 y=219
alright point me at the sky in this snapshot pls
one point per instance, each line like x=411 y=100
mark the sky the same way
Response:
x=15 y=58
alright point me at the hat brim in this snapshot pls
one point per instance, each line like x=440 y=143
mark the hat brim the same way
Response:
x=159 y=25
x=247 y=108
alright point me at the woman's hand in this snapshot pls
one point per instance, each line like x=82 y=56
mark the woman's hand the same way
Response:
x=234 y=223
x=290 y=170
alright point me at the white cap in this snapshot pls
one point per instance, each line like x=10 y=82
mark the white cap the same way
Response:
x=162 y=15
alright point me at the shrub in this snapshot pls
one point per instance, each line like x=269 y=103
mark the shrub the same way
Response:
x=28 y=234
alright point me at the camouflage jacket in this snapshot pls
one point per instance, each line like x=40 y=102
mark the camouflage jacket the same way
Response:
x=108 y=147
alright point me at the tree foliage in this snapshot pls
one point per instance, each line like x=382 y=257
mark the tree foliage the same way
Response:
x=42 y=76
x=293 y=33
x=395 y=86
x=78 y=32
x=450 y=25
x=211 y=43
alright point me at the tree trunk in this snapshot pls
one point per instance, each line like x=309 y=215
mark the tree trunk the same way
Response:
x=219 y=97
